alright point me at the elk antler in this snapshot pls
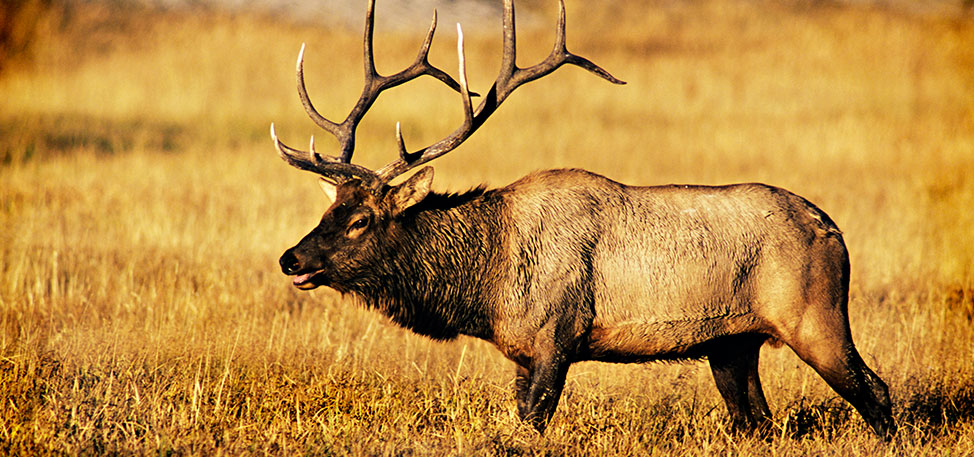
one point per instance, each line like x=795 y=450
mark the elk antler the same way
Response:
x=511 y=77
x=338 y=169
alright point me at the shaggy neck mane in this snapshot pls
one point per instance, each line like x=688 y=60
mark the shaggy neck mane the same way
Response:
x=435 y=276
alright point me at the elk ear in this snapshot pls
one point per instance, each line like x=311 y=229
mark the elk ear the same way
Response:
x=411 y=192
x=331 y=191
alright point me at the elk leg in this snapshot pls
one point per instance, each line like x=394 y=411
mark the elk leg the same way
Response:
x=731 y=365
x=847 y=374
x=755 y=395
x=734 y=363
x=547 y=380
x=539 y=384
x=522 y=384
x=750 y=352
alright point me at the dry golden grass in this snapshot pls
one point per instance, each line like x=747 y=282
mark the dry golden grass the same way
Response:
x=142 y=210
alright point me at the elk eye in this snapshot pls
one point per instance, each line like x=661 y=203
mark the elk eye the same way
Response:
x=359 y=223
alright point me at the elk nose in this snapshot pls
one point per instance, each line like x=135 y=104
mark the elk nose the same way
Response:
x=289 y=263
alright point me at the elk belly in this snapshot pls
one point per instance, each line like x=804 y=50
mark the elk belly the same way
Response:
x=664 y=340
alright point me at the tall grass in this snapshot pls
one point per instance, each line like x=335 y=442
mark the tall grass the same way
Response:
x=142 y=210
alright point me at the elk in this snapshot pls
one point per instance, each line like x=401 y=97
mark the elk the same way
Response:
x=564 y=266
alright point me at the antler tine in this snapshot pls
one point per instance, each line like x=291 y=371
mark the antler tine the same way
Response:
x=464 y=89
x=368 y=57
x=318 y=119
x=509 y=57
x=559 y=55
x=344 y=134
x=510 y=77
x=327 y=167
x=403 y=155
x=422 y=61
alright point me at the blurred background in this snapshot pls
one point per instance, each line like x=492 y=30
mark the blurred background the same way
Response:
x=143 y=209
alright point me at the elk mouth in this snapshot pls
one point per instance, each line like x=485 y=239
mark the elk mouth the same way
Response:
x=308 y=281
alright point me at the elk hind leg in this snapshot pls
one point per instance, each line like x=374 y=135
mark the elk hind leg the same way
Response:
x=826 y=345
x=846 y=373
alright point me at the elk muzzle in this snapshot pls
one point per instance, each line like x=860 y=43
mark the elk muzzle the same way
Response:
x=289 y=262
x=305 y=278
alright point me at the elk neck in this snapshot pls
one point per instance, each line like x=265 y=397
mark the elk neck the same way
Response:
x=440 y=268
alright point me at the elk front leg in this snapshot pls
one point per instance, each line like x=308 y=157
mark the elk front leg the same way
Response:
x=539 y=388
x=522 y=382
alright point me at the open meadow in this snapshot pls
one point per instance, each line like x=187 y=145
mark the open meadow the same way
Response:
x=143 y=209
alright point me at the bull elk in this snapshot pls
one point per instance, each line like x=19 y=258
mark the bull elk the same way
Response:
x=563 y=266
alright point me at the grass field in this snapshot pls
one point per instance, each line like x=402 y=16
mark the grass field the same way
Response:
x=143 y=209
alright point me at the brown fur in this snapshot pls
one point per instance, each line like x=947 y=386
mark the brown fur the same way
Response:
x=565 y=265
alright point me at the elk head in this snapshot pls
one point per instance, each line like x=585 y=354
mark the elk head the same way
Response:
x=366 y=208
